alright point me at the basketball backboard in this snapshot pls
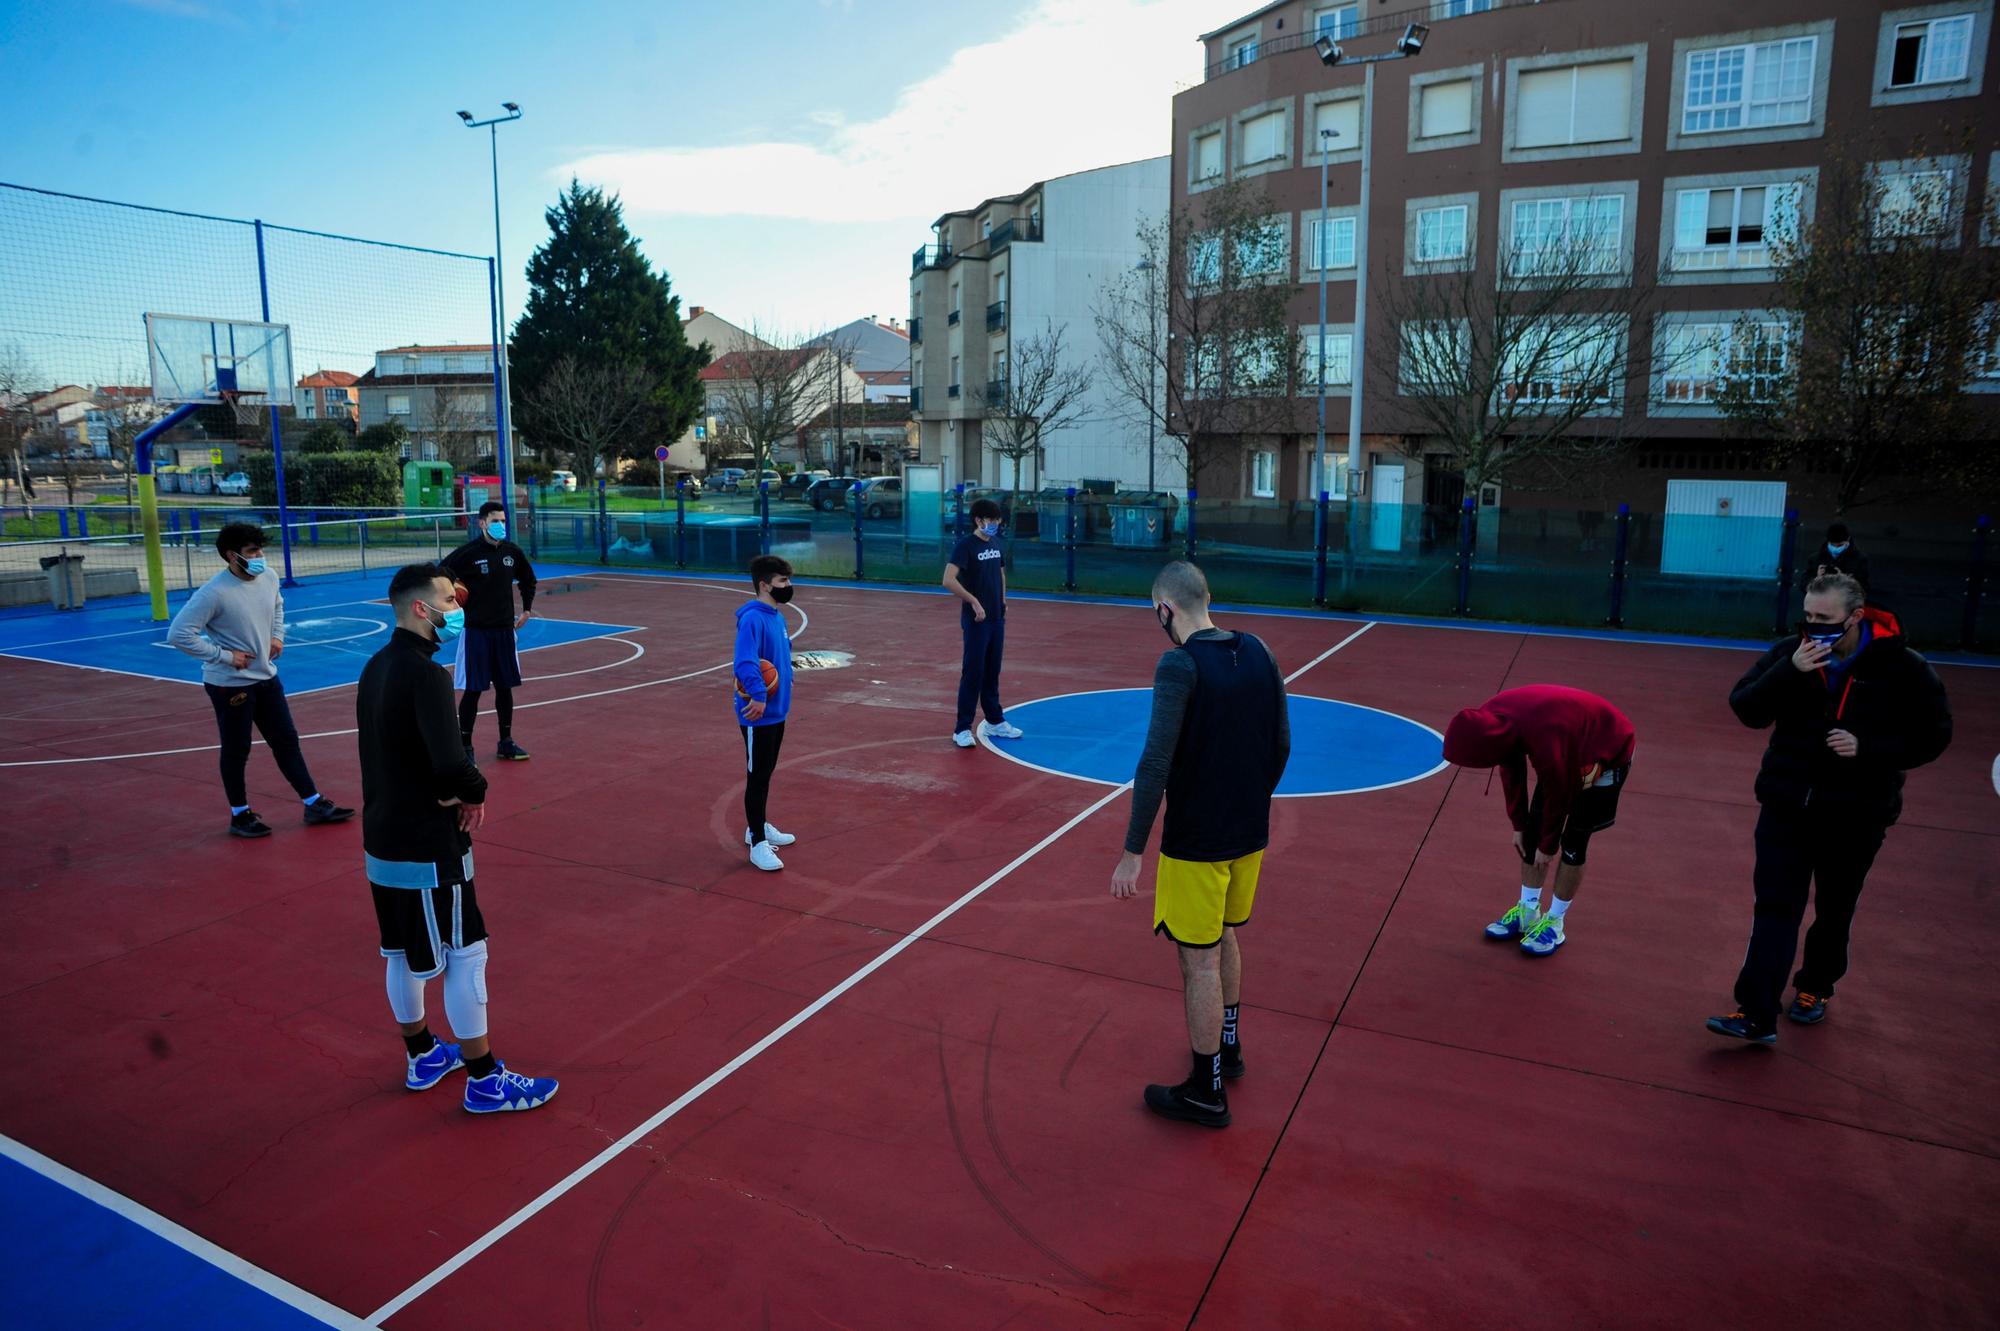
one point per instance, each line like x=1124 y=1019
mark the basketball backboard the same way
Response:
x=207 y=360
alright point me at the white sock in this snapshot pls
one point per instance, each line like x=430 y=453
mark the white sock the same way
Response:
x=1531 y=898
x=1558 y=909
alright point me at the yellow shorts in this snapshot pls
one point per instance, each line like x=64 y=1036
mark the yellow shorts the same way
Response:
x=1193 y=900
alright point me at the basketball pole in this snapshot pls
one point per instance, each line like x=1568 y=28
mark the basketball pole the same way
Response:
x=149 y=502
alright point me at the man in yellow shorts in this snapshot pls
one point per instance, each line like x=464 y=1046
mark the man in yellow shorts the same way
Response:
x=1215 y=748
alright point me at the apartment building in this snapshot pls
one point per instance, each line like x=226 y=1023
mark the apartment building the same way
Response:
x=328 y=395
x=1675 y=137
x=443 y=395
x=1014 y=268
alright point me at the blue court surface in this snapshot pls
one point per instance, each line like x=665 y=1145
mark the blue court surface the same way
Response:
x=1338 y=748
x=332 y=627
x=82 y=1257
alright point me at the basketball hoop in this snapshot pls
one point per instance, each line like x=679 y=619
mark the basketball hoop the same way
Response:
x=244 y=403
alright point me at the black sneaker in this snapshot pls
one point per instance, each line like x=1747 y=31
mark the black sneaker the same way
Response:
x=1232 y=1062
x=248 y=825
x=1190 y=1103
x=509 y=749
x=1739 y=1027
x=324 y=810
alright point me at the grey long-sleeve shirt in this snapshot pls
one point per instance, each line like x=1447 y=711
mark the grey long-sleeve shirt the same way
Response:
x=228 y=614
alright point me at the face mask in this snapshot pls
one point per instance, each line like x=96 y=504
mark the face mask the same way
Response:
x=447 y=628
x=989 y=529
x=497 y=530
x=255 y=567
x=1165 y=615
x=1836 y=550
x=783 y=595
x=1824 y=634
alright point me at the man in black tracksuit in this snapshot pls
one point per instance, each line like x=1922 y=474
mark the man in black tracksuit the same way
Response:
x=1853 y=708
x=488 y=566
x=1837 y=554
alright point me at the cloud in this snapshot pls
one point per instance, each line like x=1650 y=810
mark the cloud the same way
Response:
x=1080 y=84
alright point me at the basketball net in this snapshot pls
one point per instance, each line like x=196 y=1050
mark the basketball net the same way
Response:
x=245 y=404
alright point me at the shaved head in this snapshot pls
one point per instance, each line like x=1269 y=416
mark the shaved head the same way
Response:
x=1182 y=586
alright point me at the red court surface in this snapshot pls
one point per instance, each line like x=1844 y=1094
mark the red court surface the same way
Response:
x=1433 y=1130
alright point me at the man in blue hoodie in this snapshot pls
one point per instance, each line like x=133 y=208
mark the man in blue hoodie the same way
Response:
x=763 y=700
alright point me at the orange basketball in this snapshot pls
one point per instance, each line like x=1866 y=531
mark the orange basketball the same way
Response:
x=770 y=673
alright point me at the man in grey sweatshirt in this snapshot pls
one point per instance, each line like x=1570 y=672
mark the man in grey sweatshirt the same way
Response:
x=234 y=625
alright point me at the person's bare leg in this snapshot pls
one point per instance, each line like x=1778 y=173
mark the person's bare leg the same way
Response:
x=1232 y=969
x=1531 y=877
x=1569 y=881
x=1201 y=978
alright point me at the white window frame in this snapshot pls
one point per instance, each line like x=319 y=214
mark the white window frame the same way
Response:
x=1271 y=250
x=1204 y=261
x=1564 y=382
x=1462 y=8
x=1263 y=474
x=391 y=407
x=1334 y=481
x=1342 y=150
x=1341 y=231
x=1214 y=137
x=1611 y=261
x=1464 y=217
x=1680 y=388
x=1735 y=253
x=1575 y=72
x=1922 y=30
x=1255 y=366
x=1885 y=180
x=1431 y=330
x=1340 y=22
x=1744 y=107
x=1423 y=91
x=1339 y=361
x=1240 y=52
x=1276 y=121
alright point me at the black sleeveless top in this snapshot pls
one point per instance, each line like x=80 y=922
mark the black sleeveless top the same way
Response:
x=1230 y=755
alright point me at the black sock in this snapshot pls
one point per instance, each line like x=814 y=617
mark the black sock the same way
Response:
x=483 y=1066
x=503 y=712
x=468 y=716
x=1207 y=1074
x=421 y=1043
x=1231 y=1051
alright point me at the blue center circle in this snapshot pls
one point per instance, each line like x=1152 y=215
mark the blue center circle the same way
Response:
x=1338 y=748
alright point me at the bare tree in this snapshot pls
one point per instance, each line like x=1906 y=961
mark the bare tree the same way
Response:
x=1198 y=338
x=1889 y=296
x=17 y=422
x=1529 y=364
x=461 y=423
x=767 y=393
x=594 y=413
x=124 y=418
x=1044 y=392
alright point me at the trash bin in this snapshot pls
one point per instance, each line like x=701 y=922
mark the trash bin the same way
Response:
x=65 y=580
x=1142 y=520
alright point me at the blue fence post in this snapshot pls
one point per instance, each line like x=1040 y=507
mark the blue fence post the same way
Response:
x=1621 y=544
x=1788 y=555
x=1975 y=582
x=1467 y=516
x=853 y=497
x=194 y=522
x=535 y=520
x=277 y=438
x=83 y=524
x=1319 y=551
x=1069 y=539
x=763 y=517
x=603 y=526
x=1190 y=524
x=62 y=523
x=680 y=522
x=958 y=510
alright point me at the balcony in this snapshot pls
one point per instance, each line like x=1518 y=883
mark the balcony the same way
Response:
x=996 y=392
x=952 y=319
x=1011 y=230
x=916 y=331
x=996 y=316
x=929 y=256
x=952 y=391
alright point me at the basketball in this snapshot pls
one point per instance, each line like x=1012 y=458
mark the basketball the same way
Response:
x=770 y=673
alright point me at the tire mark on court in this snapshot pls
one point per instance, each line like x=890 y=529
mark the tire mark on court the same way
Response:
x=986 y=1104
x=598 y=1259
x=1062 y=1082
x=992 y=1199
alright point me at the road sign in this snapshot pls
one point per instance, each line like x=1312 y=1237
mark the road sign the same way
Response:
x=701 y=432
x=215 y=457
x=660 y=452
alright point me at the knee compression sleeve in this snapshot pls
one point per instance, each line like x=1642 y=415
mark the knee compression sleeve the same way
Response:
x=465 y=990
x=406 y=992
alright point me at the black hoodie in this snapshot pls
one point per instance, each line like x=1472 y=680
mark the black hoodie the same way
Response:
x=1888 y=698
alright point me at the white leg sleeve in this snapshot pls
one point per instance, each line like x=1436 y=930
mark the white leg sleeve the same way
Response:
x=465 y=990
x=406 y=992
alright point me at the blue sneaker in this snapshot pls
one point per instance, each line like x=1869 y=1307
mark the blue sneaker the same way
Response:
x=1739 y=1027
x=1808 y=1009
x=504 y=1091
x=432 y=1068
x=1543 y=938
x=1517 y=921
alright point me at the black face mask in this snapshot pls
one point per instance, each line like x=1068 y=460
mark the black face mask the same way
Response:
x=1165 y=615
x=782 y=595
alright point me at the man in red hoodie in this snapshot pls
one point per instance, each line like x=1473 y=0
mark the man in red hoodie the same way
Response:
x=1581 y=749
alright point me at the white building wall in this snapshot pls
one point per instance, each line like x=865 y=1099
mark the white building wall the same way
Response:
x=1090 y=223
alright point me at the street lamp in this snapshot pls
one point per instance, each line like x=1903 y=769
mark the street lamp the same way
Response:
x=1152 y=364
x=502 y=383
x=1330 y=53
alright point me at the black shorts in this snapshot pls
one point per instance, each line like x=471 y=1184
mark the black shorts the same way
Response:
x=419 y=923
x=1593 y=810
x=487 y=659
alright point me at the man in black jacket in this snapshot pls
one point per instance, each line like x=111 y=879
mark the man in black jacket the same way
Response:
x=1837 y=554
x=1852 y=708
x=422 y=798
x=488 y=566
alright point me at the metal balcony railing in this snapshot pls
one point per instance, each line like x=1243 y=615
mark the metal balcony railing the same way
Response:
x=916 y=331
x=996 y=316
x=952 y=391
x=1011 y=230
x=952 y=318
x=996 y=392
x=929 y=256
x=1372 y=25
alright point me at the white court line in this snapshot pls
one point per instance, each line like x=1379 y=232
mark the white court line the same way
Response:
x=637 y=652
x=185 y=1239
x=1329 y=651
x=714 y=1079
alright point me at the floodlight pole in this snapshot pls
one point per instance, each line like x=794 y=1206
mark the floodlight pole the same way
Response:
x=503 y=450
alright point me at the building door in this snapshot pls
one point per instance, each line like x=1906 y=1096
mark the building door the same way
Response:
x=1385 y=506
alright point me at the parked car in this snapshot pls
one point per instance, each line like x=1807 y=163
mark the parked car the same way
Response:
x=881 y=497
x=829 y=492
x=563 y=480
x=796 y=484
x=726 y=479
x=686 y=480
x=235 y=483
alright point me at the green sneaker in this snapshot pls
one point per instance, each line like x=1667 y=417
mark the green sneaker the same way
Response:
x=1545 y=937
x=1516 y=922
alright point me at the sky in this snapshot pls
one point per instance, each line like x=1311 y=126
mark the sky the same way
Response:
x=779 y=160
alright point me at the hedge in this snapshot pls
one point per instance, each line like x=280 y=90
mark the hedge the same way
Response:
x=327 y=480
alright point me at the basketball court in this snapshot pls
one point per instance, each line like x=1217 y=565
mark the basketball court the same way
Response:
x=898 y=1083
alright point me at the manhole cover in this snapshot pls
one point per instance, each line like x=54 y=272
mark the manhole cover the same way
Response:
x=822 y=660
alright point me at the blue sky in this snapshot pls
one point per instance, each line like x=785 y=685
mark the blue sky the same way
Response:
x=779 y=159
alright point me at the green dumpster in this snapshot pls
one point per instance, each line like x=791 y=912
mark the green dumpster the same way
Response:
x=427 y=487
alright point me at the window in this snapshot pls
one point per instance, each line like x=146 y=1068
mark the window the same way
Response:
x=1000 y=367
x=405 y=451
x=1335 y=247
x=1204 y=368
x=1207 y=156
x=1433 y=355
x=1344 y=119
x=1263 y=139
x=1576 y=104
x=1339 y=22
x=1461 y=8
x=335 y=394
x=952 y=389
x=1444 y=109
x=1737 y=87
x=1914 y=203
x=986 y=226
x=430 y=451
x=1334 y=481
x=1205 y=261
x=1339 y=360
x=1264 y=474
x=1242 y=52
x=1260 y=250
x=1697 y=361
x=1732 y=228
x=398 y=404
x=1563 y=360
x=1572 y=235
x=307 y=410
x=1256 y=364
x=1932 y=52
x=1441 y=234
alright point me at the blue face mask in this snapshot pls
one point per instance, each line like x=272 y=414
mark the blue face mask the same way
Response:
x=1837 y=550
x=1826 y=635
x=449 y=627
x=497 y=530
x=989 y=529
x=255 y=567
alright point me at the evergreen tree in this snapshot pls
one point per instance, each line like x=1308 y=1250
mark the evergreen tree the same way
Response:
x=594 y=300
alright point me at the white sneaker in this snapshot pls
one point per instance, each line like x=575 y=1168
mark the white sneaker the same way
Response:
x=963 y=739
x=772 y=835
x=764 y=857
x=1005 y=730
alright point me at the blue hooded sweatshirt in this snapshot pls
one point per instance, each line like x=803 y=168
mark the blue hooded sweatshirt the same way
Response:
x=760 y=635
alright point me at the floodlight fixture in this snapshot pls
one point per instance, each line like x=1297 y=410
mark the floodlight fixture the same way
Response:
x=1329 y=50
x=466 y=116
x=1412 y=40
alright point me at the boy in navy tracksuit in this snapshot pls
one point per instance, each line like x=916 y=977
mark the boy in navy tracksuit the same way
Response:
x=760 y=708
x=976 y=575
